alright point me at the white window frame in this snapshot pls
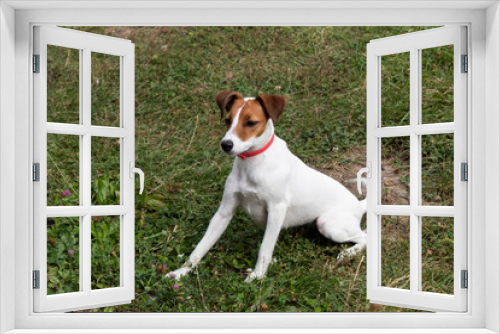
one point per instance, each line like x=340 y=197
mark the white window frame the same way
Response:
x=17 y=19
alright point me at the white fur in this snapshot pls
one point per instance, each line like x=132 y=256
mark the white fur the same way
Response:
x=277 y=190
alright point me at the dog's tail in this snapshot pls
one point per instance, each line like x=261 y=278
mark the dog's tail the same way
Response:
x=363 y=205
x=363 y=183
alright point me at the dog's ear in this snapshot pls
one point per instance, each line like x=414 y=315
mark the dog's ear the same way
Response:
x=225 y=100
x=273 y=105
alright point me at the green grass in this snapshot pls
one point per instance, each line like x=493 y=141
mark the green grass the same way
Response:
x=179 y=71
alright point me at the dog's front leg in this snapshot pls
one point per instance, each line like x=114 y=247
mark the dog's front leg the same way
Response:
x=275 y=218
x=217 y=226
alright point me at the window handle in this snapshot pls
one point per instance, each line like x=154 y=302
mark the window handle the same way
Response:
x=134 y=170
x=368 y=171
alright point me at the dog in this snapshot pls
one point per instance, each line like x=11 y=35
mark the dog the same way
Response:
x=274 y=187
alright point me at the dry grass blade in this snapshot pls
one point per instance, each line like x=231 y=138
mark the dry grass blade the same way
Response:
x=202 y=297
x=393 y=283
x=321 y=282
x=352 y=282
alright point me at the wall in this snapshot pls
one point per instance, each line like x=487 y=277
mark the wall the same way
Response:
x=7 y=160
x=492 y=164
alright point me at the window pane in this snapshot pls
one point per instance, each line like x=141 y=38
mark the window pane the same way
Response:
x=63 y=170
x=395 y=171
x=437 y=84
x=395 y=89
x=395 y=251
x=105 y=252
x=105 y=171
x=437 y=254
x=105 y=89
x=63 y=256
x=437 y=169
x=63 y=85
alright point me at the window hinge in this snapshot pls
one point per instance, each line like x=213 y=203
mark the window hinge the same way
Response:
x=464 y=172
x=465 y=63
x=36 y=172
x=36 y=63
x=465 y=279
x=36 y=279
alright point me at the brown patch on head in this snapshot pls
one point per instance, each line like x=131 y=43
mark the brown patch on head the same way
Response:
x=225 y=100
x=273 y=105
x=232 y=111
x=251 y=122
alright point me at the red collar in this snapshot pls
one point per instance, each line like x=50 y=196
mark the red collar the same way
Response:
x=245 y=155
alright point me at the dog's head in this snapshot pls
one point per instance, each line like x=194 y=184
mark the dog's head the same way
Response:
x=247 y=118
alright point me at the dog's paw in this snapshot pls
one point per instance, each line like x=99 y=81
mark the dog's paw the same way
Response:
x=346 y=255
x=340 y=257
x=252 y=276
x=177 y=274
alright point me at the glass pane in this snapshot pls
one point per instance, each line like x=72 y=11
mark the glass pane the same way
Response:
x=395 y=89
x=437 y=254
x=63 y=85
x=63 y=170
x=437 y=84
x=395 y=171
x=437 y=169
x=105 y=252
x=395 y=251
x=63 y=256
x=105 y=171
x=105 y=89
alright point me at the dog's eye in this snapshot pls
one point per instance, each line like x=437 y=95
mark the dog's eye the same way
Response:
x=228 y=121
x=251 y=123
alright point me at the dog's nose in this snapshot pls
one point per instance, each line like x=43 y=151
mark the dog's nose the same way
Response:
x=227 y=145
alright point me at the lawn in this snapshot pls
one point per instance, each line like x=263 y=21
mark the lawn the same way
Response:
x=179 y=71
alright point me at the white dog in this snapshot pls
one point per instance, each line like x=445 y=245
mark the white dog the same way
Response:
x=274 y=187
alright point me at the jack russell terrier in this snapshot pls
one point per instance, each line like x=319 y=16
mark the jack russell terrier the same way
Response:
x=274 y=187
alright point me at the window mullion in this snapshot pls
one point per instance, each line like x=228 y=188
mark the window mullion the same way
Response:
x=80 y=130
x=421 y=211
x=420 y=129
x=85 y=238
x=415 y=170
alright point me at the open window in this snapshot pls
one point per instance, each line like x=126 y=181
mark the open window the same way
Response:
x=431 y=222
x=91 y=193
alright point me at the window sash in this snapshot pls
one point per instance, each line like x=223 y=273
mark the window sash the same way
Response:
x=87 y=43
x=413 y=43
